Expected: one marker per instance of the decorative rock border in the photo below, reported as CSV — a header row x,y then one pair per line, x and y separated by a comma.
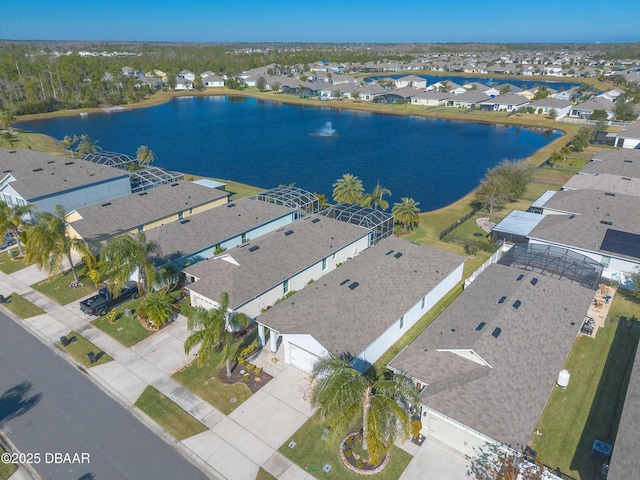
x,y
357,470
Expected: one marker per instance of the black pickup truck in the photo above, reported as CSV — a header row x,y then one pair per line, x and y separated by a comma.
x,y
103,302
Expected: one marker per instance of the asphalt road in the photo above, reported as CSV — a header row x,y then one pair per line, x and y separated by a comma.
x,y
49,407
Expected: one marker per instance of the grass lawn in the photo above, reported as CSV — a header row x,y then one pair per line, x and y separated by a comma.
x,y
591,405
312,453
7,469
168,414
22,307
9,265
80,347
57,289
264,475
204,382
126,329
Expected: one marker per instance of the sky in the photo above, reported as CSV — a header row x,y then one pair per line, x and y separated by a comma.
x,y
335,21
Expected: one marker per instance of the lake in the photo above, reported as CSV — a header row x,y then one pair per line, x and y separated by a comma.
x,y
267,144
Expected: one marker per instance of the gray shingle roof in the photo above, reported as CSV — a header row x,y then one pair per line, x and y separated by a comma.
x,y
278,258
604,182
550,103
507,99
40,174
126,213
624,162
349,320
632,130
505,400
212,227
585,230
625,461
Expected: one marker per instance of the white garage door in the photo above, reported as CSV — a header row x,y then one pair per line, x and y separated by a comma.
x,y
301,358
454,436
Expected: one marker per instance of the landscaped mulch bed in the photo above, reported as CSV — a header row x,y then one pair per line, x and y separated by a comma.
x,y
255,382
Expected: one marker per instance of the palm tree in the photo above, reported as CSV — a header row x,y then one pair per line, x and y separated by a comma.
x,y
68,142
344,397
406,213
127,253
211,331
12,219
565,151
157,308
375,199
87,146
348,189
48,243
322,200
145,155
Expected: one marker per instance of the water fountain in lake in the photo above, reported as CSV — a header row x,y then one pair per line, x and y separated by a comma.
x,y
327,131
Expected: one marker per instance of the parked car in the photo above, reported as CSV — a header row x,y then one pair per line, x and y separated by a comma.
x,y
7,241
101,303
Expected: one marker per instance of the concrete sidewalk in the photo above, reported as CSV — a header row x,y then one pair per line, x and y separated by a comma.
x,y
234,447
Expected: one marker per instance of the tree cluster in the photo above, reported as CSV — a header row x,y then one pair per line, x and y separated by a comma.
x,y
502,184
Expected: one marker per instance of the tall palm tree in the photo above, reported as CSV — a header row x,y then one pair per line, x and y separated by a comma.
x,y
344,396
348,189
145,155
68,142
87,146
12,220
48,243
211,331
406,213
127,253
375,200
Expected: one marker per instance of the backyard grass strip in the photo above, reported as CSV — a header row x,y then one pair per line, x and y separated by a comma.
x,y
22,307
590,407
168,414
80,348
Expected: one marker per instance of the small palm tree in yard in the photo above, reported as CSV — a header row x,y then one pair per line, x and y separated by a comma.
x,y
345,397
157,308
212,330
348,189
48,243
406,213
12,220
145,155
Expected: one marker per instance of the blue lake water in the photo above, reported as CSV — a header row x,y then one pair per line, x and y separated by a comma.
x,y
266,144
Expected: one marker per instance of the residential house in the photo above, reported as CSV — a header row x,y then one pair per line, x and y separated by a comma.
x,y
44,180
586,109
431,99
369,92
507,103
152,82
615,171
486,365
604,226
201,236
142,211
468,99
364,307
629,137
411,81
186,75
562,108
210,79
263,271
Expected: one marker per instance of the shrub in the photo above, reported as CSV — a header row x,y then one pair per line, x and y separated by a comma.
x,y
416,426
347,453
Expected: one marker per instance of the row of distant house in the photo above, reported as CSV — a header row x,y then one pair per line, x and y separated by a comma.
x,y
328,81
